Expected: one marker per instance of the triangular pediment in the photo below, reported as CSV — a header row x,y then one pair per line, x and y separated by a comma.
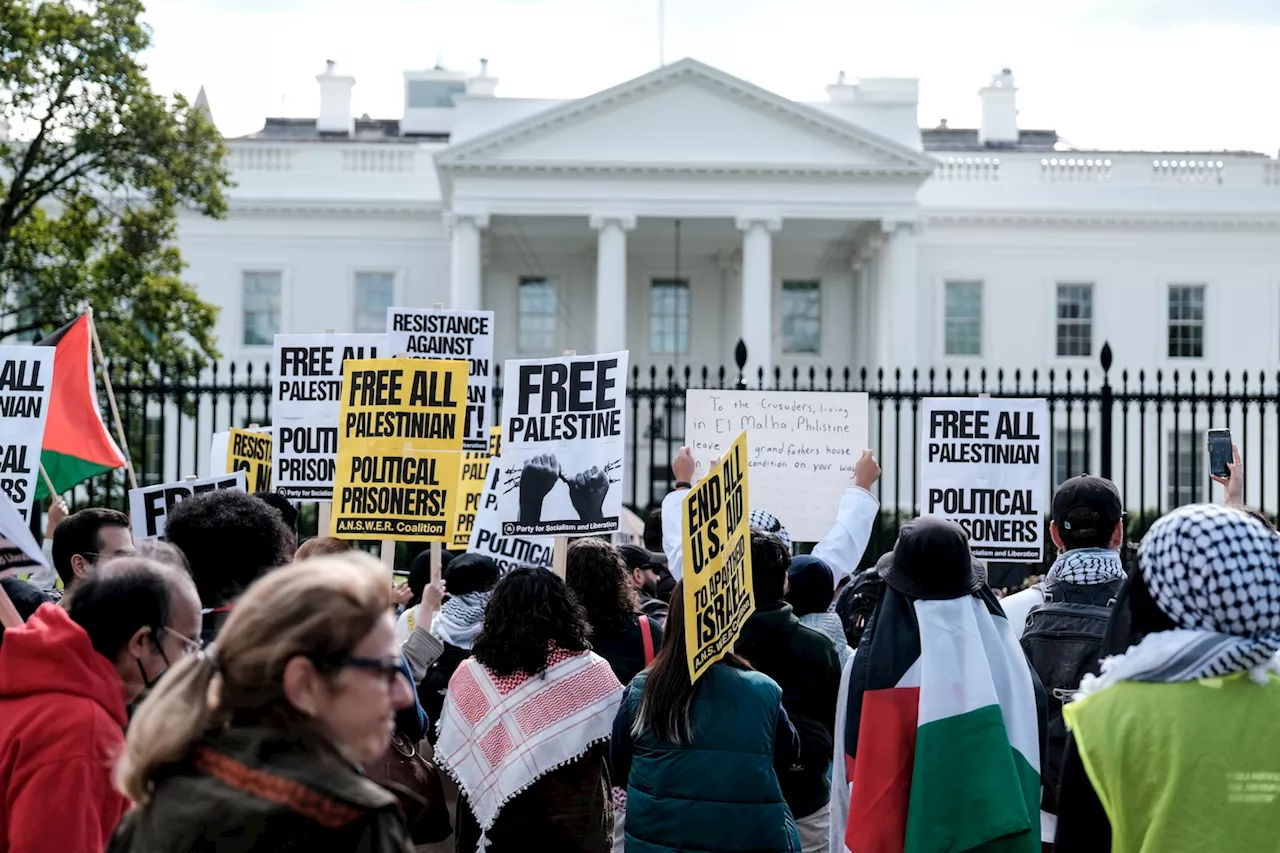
x,y
686,115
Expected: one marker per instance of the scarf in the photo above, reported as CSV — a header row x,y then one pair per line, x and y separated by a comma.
x,y
499,735
1088,566
1215,571
461,618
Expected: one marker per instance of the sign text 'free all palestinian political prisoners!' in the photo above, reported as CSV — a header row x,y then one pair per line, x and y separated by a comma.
x,y
716,531
984,465
250,452
458,335
399,449
563,442
801,448
149,506
306,396
472,476
26,378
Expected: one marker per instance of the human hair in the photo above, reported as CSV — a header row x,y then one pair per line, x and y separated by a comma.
x,y
230,539
284,506
319,610
770,560
78,534
164,552
530,612
320,546
1084,527
111,604
653,529
1258,514
598,579
666,701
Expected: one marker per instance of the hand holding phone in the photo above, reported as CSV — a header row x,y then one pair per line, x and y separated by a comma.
x,y
1226,466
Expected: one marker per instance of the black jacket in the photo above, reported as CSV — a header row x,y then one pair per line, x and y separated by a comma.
x,y
435,684
624,650
806,667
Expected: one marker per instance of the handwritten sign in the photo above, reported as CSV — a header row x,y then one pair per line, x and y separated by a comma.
x,y
26,377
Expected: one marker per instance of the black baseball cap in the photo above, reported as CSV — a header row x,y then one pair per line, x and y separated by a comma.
x,y
641,558
1088,492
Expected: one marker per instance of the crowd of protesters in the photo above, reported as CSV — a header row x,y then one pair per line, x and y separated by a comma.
x,y
234,689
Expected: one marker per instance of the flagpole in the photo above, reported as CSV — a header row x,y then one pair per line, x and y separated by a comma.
x,y
111,398
48,483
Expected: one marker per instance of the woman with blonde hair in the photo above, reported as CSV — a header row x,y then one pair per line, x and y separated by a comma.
x,y
255,744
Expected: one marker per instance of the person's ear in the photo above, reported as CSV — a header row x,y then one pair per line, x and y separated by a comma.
x,y
1056,536
303,685
1117,536
139,643
79,565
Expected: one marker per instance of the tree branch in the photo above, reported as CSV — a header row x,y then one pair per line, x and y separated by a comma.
x,y
7,218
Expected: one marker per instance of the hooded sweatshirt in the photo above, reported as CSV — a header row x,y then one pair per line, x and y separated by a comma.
x,y
62,719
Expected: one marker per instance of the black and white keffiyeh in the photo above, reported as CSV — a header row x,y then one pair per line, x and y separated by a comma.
x,y
767,522
1215,571
1088,566
461,618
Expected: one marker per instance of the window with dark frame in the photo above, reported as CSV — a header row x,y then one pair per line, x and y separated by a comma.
x,y
261,307
801,317
963,304
539,311
1186,464
1075,320
1186,321
375,293
669,316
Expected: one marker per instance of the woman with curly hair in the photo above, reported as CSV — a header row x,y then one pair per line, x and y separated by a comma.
x,y
596,574
525,724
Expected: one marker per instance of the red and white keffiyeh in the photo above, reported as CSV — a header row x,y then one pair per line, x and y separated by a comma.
x,y
499,735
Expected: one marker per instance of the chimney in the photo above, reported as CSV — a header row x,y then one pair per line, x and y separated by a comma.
x,y
841,92
335,101
482,85
999,112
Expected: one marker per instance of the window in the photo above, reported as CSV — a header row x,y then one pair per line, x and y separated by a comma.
x,y
539,312
375,293
669,316
432,93
801,317
1075,319
261,308
964,318
1071,454
1186,321
1186,467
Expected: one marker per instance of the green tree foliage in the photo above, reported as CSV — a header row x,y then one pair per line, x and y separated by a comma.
x,y
93,172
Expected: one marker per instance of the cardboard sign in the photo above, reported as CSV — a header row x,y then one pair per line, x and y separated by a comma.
x,y
509,552
427,333
471,481
399,449
801,448
250,452
26,378
18,548
149,506
306,397
716,529
563,443
984,464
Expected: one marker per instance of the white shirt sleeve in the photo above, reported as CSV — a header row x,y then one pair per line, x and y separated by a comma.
x,y
44,577
840,789
672,536
842,548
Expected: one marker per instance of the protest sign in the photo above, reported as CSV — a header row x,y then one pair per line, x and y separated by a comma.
x,y
306,397
250,452
509,552
984,464
149,506
399,449
563,442
18,548
471,481
801,448
716,530
26,377
435,333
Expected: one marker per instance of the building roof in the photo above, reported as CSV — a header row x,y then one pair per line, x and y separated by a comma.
x,y
366,130
945,138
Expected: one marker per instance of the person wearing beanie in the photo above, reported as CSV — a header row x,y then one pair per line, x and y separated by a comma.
x,y
811,588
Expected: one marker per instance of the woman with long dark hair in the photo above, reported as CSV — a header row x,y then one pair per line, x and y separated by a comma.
x,y
524,725
626,638
700,761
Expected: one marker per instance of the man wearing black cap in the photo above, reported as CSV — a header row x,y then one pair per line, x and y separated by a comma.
x,y
644,568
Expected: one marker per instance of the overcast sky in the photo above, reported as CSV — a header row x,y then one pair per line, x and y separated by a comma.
x,y
1150,74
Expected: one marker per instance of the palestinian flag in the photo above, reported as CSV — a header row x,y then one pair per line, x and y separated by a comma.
x,y
76,442
941,733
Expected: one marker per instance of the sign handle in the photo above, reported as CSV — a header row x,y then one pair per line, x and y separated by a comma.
x,y
559,555
437,306
389,554
323,515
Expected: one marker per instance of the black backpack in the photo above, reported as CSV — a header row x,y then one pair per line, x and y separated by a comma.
x,y
1063,643
857,603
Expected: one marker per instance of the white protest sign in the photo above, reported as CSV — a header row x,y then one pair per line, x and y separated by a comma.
x,y
563,443
18,548
305,396
452,335
149,506
984,464
802,447
26,378
509,552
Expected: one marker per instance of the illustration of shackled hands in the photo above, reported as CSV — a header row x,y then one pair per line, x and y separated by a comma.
x,y
587,489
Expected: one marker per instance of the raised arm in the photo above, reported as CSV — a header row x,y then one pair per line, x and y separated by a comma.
x,y
843,546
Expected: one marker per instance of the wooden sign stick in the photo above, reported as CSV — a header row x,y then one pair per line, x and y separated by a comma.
x,y
560,545
324,509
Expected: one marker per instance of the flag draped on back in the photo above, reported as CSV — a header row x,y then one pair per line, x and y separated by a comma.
x,y
941,736
76,442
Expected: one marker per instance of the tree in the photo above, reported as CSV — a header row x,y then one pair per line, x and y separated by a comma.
x,y
92,181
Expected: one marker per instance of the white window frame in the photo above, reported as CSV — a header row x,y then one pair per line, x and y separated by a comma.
x,y
1182,322
354,311
947,320
521,318
805,285
1061,324
1190,450
682,342
1081,453
281,302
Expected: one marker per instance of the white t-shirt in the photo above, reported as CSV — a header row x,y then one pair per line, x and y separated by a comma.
x,y
1019,605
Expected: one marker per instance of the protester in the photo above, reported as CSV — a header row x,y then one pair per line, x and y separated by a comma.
x,y
230,539
700,762
321,546
288,514
653,544
937,734
644,570
525,724
620,634
811,588
89,537
857,604
468,584
1173,744
66,679
419,580
45,578
26,598
254,745
164,552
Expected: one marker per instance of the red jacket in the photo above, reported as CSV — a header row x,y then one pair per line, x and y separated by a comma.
x,y
62,719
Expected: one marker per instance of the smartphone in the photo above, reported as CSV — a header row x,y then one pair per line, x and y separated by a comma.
x,y
1220,453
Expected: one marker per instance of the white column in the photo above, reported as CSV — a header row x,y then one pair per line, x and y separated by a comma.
x,y
465,266
611,280
757,294
900,298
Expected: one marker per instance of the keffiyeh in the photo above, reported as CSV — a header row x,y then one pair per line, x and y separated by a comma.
x,y
767,522
1087,566
461,618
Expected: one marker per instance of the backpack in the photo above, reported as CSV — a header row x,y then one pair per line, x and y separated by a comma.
x,y
1063,643
435,684
857,603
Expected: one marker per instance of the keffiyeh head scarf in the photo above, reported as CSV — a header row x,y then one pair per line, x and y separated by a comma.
x,y
767,522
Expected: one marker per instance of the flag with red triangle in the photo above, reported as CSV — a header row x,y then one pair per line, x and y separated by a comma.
x,y
77,445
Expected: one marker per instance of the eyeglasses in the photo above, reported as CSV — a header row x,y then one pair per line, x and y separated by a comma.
x,y
189,646
110,556
389,668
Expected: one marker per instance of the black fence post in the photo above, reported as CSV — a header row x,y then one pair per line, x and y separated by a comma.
x,y
1105,405
740,356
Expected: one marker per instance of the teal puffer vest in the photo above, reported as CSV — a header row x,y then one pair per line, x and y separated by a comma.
x,y
719,794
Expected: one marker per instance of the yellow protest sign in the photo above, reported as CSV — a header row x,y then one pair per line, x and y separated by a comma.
x,y
400,431
717,559
471,480
251,452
